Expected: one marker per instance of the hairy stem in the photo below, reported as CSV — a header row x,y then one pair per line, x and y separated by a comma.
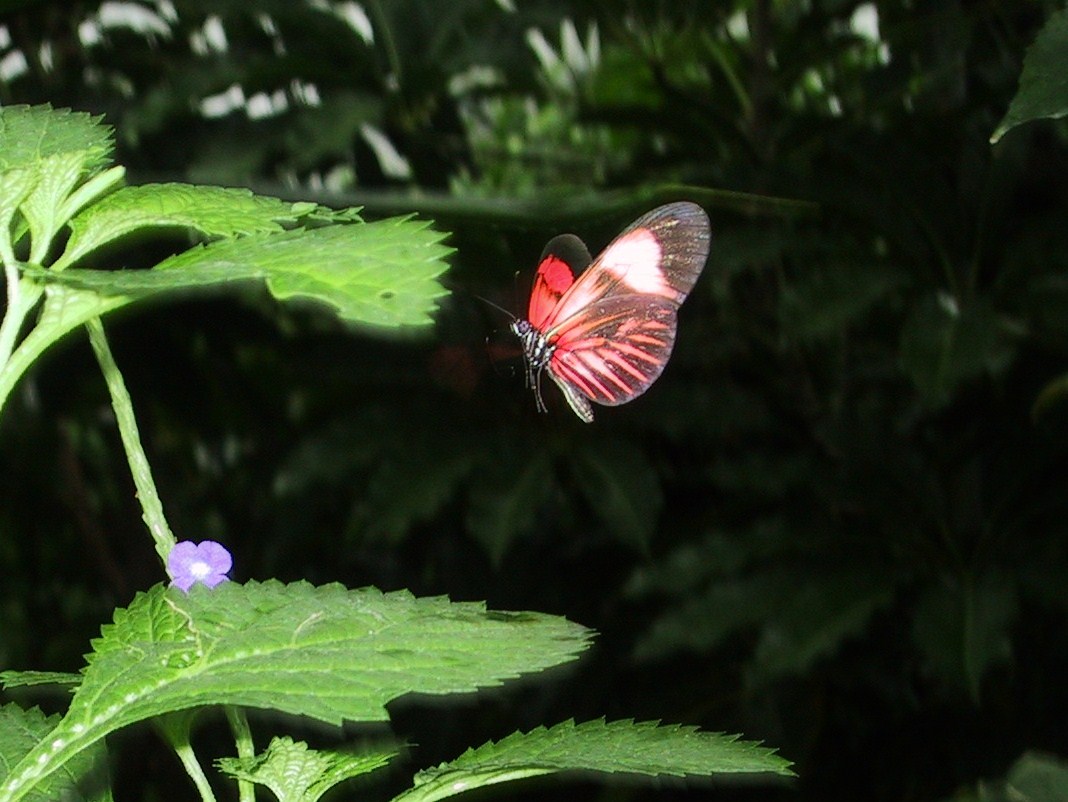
x,y
151,506
245,748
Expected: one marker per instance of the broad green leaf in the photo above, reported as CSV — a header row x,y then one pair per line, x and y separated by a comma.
x,y
1043,88
624,746
211,211
20,679
60,149
328,653
83,778
296,773
622,488
382,273
31,133
410,486
963,628
701,622
1034,777
943,345
1037,778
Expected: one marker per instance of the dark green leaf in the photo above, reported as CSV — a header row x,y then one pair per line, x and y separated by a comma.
x,y
943,345
622,488
1044,83
962,628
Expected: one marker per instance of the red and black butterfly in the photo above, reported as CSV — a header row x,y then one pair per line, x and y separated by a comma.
x,y
606,336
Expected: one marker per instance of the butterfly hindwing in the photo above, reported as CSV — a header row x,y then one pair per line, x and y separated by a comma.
x,y
616,354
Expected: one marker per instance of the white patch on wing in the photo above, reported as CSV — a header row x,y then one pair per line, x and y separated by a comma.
x,y
635,260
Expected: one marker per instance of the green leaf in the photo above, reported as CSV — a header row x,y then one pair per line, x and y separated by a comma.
x,y
410,486
622,488
212,211
963,628
382,273
943,345
815,618
1037,778
83,778
59,149
22,679
296,773
702,621
610,747
1034,777
1053,393
1043,88
328,653
31,133
15,187
824,302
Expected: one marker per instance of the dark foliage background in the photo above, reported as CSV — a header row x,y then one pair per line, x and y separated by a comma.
x,y
836,524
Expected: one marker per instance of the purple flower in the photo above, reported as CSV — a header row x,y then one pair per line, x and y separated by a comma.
x,y
206,562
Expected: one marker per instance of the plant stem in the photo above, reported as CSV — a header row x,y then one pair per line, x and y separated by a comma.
x,y
151,506
245,748
21,298
175,729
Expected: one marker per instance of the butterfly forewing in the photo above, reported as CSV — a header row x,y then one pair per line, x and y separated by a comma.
x,y
660,254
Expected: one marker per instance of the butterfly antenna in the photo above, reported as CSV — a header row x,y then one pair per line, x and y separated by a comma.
x,y
498,307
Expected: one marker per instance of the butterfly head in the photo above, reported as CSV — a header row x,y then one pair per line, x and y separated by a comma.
x,y
537,351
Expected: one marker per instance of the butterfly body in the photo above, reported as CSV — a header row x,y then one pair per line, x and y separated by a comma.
x,y
606,335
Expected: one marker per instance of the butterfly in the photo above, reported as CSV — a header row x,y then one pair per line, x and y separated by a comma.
x,y
606,336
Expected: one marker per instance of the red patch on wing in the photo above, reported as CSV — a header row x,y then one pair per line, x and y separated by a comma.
x,y
552,280
556,274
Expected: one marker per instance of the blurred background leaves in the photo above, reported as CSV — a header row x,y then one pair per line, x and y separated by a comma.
x,y
837,522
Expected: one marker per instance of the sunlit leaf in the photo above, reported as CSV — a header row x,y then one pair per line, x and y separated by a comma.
x,y
382,273
211,211
328,653
296,773
646,747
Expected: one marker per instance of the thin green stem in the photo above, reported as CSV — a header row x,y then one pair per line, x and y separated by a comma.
x,y
383,29
245,748
22,297
175,729
151,506
193,769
